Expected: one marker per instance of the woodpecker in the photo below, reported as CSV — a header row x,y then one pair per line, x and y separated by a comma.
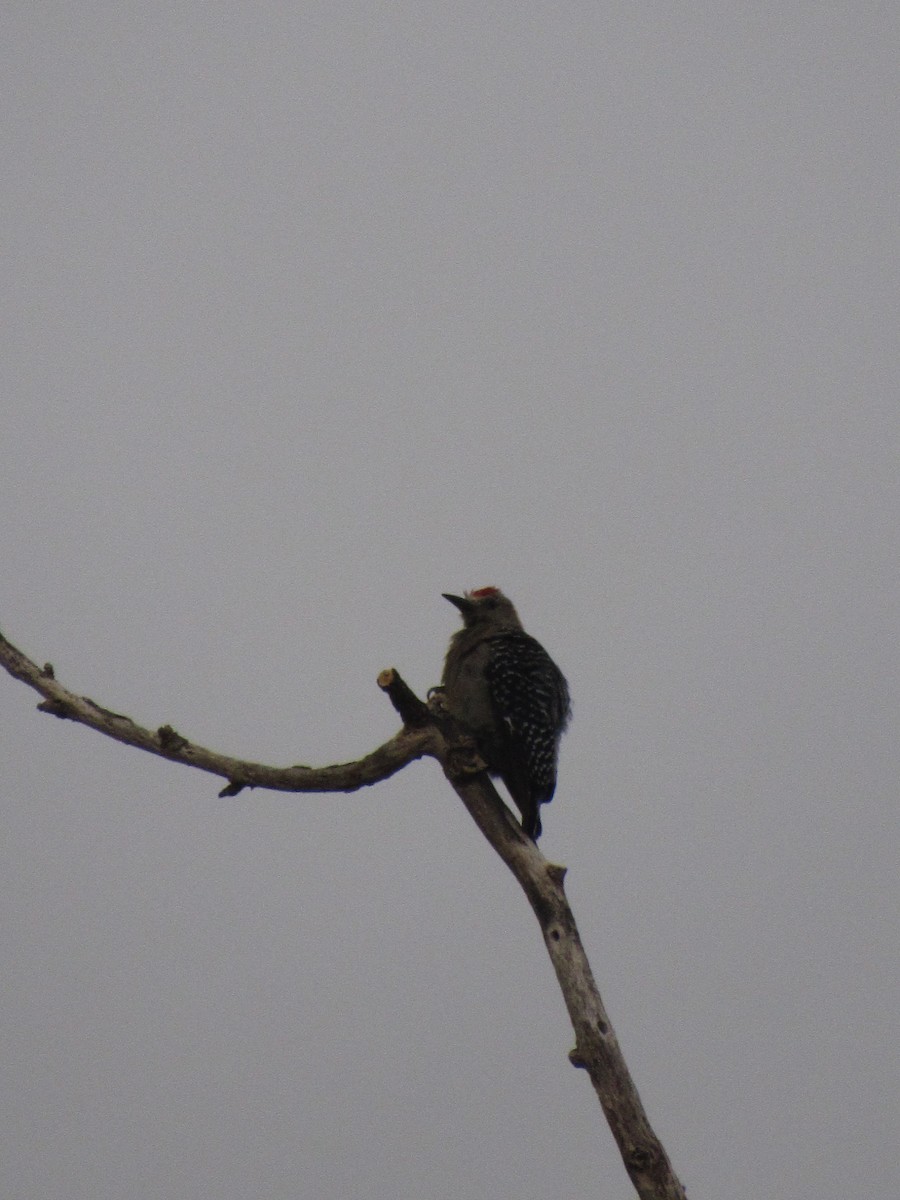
x,y
506,690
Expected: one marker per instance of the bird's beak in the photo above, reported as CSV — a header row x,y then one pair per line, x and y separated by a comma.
x,y
461,602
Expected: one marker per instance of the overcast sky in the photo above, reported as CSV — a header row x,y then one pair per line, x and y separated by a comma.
x,y
312,311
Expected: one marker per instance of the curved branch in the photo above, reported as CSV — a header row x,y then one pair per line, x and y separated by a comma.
x,y
404,747
428,730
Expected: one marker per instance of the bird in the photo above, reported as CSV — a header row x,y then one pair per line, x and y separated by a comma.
x,y
503,688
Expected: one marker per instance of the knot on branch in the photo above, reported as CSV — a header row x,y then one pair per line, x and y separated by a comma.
x,y
640,1159
556,872
171,741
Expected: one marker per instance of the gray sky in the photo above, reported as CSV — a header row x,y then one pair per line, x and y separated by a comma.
x,y
311,312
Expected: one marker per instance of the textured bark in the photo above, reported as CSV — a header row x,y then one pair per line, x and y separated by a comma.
x,y
412,741
428,731
597,1049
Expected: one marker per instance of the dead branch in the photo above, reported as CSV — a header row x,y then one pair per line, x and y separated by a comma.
x,y
597,1049
412,741
428,731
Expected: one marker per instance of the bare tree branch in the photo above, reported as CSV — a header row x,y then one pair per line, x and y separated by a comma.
x,y
428,731
409,744
597,1049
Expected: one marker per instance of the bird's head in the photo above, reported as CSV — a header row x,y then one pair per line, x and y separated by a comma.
x,y
486,606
